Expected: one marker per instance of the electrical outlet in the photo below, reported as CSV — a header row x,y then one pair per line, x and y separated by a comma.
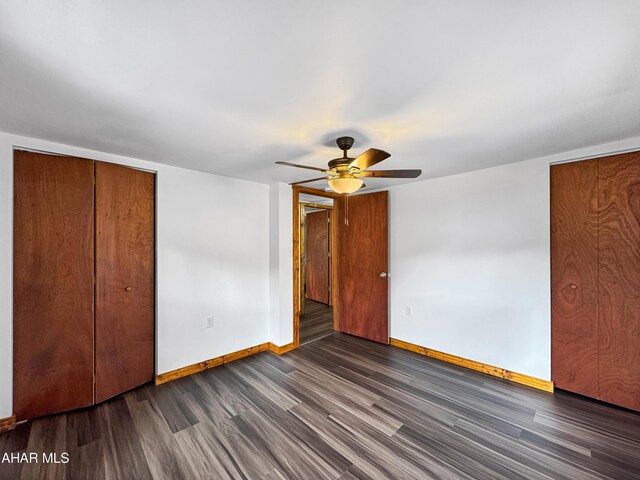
x,y
210,323
408,310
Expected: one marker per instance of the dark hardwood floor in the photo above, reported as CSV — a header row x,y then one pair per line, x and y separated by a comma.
x,y
317,321
340,408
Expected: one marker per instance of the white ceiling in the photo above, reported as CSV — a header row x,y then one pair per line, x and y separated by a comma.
x,y
229,87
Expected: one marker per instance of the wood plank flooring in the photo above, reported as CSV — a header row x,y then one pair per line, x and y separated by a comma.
x,y
317,321
337,408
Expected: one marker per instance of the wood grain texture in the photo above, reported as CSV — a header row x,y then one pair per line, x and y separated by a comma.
x,y
619,300
8,423
341,407
303,263
125,284
53,284
521,378
280,349
317,255
574,277
363,251
297,264
213,362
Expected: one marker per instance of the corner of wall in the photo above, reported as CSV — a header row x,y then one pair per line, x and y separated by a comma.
x,y
280,264
6,276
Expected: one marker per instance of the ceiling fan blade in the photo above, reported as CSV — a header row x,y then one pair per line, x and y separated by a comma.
x,y
301,166
307,181
369,158
391,173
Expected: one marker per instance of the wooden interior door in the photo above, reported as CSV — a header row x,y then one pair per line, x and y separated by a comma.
x,y
574,277
317,256
53,268
124,279
619,299
363,253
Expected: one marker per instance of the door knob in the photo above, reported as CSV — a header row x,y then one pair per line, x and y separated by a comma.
x,y
127,289
383,275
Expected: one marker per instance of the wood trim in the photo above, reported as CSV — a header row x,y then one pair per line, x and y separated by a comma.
x,y
316,192
335,260
281,349
213,362
521,378
302,253
316,205
221,360
297,190
296,265
8,423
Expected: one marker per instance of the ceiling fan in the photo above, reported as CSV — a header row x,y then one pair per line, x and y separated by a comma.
x,y
345,174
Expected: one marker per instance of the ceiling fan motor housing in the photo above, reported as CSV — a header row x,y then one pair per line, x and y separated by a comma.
x,y
339,162
345,143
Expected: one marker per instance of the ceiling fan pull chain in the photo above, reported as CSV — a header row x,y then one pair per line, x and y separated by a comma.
x,y
346,210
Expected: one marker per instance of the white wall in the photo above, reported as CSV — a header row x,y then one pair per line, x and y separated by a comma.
x,y
212,258
470,254
281,263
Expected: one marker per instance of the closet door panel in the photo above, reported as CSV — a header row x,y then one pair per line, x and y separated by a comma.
x,y
124,279
574,277
619,260
53,284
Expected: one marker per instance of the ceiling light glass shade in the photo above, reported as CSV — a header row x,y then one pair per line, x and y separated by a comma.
x,y
345,185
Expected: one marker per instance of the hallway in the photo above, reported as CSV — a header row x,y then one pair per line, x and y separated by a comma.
x,y
317,321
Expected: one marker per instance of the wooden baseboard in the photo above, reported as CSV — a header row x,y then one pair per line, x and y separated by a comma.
x,y
214,362
534,382
8,423
281,349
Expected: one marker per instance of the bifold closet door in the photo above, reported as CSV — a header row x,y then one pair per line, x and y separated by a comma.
x,y
574,277
619,260
53,270
124,279
595,277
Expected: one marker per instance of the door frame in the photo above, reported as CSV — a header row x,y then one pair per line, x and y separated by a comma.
x,y
297,210
303,248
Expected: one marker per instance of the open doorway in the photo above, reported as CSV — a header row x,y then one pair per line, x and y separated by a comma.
x,y
315,244
316,307
359,244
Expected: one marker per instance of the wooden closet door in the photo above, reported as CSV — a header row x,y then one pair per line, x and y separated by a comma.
x,y
317,253
53,284
619,249
574,277
124,279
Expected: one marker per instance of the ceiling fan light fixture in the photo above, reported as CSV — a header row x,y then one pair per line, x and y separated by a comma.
x,y
345,185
